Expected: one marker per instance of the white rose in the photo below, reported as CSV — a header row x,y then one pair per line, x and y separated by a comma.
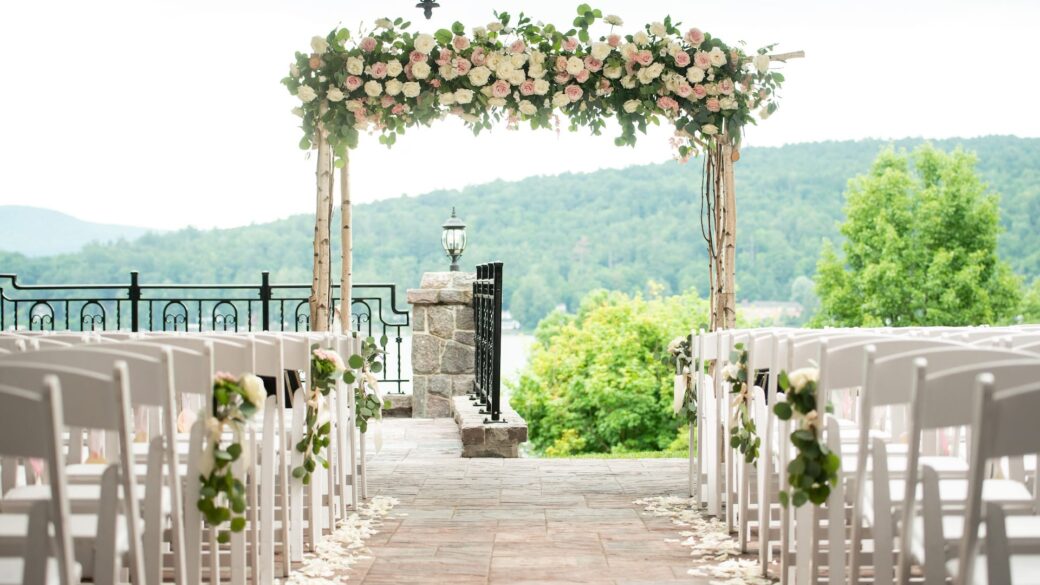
x,y
632,105
447,72
718,58
492,60
627,50
425,43
420,70
763,113
463,96
504,69
355,106
538,57
541,86
393,68
730,372
536,71
656,69
373,88
613,72
527,108
306,93
294,70
712,89
319,45
497,102
628,82
479,31
658,29
334,94
255,392
673,48
728,103
411,89
644,76
560,99
600,51
518,59
517,77
800,377
446,98
640,38
355,66
393,87
709,129
479,76
695,74
614,20
575,65
761,63
297,112
384,23
494,26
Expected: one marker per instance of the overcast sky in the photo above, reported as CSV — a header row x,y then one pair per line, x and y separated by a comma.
x,y
168,113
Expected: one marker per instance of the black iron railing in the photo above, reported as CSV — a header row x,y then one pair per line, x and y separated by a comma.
x,y
199,307
487,312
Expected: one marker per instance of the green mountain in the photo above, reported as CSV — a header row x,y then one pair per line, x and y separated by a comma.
x,y
561,236
22,229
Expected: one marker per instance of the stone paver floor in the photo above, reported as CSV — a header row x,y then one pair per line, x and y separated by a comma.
x,y
464,521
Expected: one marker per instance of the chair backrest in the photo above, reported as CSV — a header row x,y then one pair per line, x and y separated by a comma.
x,y
230,354
91,400
842,363
947,399
192,369
14,343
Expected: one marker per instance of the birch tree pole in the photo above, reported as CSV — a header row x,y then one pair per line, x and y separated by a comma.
x,y
346,277
321,279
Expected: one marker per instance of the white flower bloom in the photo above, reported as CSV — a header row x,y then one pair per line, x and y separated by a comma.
x,y
658,29
393,68
447,72
628,49
632,105
355,106
297,112
718,58
541,86
446,98
384,23
319,45
504,69
373,88
527,108
479,76
536,71
411,89
518,59
728,103
334,94
628,82
393,87
479,31
614,20
494,26
600,51
355,66
425,43
730,372
761,63
294,70
497,102
801,377
709,129
695,74
538,57
613,72
306,93
560,99
641,38
517,77
763,113
463,96
255,392
420,70
575,65
712,89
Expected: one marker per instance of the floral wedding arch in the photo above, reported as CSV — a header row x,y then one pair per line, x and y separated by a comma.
x,y
388,80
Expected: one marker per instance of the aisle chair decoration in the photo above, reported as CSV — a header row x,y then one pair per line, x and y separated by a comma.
x,y
815,469
680,356
367,396
326,367
743,436
222,497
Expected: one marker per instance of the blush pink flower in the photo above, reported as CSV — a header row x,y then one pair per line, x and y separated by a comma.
x,y
460,43
353,82
378,70
408,72
368,44
462,65
614,40
500,89
644,57
701,60
561,63
593,64
562,78
683,90
398,109
726,86
630,67
604,87
416,57
518,46
527,87
570,44
479,57
695,37
682,59
387,100
699,91
713,104
582,76
668,104
435,83
444,57
574,92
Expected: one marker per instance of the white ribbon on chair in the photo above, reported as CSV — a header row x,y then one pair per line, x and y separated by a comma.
x,y
375,425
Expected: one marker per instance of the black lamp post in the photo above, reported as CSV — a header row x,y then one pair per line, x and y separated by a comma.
x,y
427,6
453,238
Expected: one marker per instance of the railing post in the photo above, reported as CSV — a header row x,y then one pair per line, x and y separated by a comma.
x,y
135,296
496,359
265,300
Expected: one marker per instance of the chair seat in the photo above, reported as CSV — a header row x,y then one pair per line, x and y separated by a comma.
x,y
91,472
14,529
953,493
12,569
1022,531
946,467
83,498
1025,569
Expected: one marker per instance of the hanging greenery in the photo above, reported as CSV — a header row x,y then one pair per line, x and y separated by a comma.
x,y
813,472
743,432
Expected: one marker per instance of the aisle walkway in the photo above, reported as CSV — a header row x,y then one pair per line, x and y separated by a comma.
x,y
463,521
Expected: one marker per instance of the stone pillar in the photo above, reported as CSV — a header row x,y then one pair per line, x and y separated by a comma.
x,y
442,341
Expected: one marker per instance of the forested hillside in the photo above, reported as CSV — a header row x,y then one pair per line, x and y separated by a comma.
x,y
562,236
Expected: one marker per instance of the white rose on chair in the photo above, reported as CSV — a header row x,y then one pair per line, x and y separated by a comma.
x,y
730,372
255,391
802,377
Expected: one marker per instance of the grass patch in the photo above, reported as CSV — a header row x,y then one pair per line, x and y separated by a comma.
x,y
627,455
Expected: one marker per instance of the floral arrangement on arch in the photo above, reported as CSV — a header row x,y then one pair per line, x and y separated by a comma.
x,y
743,433
326,367
388,79
813,472
222,496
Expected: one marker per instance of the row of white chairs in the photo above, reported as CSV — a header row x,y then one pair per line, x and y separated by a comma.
x,y
906,407
126,404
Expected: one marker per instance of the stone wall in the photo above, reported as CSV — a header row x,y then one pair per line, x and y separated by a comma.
x,y
442,341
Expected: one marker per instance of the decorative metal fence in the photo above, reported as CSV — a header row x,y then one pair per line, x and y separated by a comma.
x,y
487,311
198,307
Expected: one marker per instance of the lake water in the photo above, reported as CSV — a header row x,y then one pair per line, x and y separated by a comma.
x,y
515,348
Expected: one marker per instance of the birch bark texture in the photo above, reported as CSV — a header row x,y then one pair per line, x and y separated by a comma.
x,y
321,278
346,277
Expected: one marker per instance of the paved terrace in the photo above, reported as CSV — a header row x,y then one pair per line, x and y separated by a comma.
x,y
492,521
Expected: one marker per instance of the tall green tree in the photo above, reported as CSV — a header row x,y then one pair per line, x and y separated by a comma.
x,y
1031,303
920,247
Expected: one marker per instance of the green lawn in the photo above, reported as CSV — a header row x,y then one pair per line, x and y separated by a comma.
x,y
629,455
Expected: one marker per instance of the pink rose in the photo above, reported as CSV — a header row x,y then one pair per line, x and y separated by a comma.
x,y
444,58
684,90
527,87
713,104
378,70
604,87
574,92
726,86
435,83
562,78
518,46
408,72
561,63
368,44
682,59
614,40
416,57
570,44
478,57
353,82
500,89
644,57
398,109
666,103
462,65
460,43
630,67
593,64
695,37
699,91
387,101
701,60
582,76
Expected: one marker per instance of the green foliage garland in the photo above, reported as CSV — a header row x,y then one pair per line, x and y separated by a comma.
x,y
367,399
326,366
681,354
813,472
743,434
